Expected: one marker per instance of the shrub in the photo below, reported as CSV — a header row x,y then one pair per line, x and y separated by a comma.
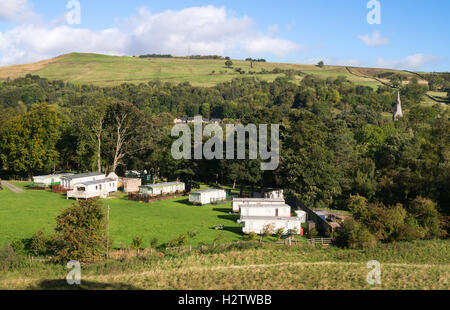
x,y
18,246
279,233
80,232
252,236
154,243
427,216
137,243
354,235
39,244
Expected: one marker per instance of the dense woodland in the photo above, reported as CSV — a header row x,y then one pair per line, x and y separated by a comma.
x,y
337,148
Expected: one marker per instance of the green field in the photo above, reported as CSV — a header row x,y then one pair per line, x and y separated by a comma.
x,y
405,265
23,214
105,70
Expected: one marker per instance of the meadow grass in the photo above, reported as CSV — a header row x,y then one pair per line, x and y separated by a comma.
x,y
104,70
23,214
405,265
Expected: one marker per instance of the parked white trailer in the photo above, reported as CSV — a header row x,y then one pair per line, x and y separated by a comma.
x,y
49,180
257,224
70,181
237,202
162,189
277,210
207,196
93,189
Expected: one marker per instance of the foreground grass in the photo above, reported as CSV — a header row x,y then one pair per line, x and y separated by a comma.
x,y
21,215
416,265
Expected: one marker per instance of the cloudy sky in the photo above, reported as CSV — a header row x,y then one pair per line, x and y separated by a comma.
x,y
413,34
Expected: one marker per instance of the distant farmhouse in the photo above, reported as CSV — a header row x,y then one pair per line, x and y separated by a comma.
x,y
207,196
162,189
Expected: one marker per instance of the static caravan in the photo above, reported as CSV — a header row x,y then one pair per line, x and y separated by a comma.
x,y
68,182
207,196
237,202
277,210
256,224
162,189
93,189
49,180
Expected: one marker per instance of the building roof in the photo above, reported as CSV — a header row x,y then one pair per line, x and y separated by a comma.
x,y
57,175
208,191
271,218
83,175
102,181
265,206
258,199
162,184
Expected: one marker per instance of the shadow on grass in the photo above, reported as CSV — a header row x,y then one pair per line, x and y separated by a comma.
x,y
85,285
184,202
223,210
231,217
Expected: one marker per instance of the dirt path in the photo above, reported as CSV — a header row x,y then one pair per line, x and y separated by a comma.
x,y
12,188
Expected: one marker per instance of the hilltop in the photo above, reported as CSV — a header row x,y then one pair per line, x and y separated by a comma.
x,y
103,70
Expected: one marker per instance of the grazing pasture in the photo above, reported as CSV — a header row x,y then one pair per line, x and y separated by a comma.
x,y
23,214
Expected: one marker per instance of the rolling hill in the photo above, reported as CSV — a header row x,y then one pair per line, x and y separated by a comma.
x,y
103,70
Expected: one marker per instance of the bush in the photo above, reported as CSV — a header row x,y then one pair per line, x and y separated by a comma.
x,y
279,233
252,236
137,243
80,232
427,216
39,244
354,235
18,246
154,243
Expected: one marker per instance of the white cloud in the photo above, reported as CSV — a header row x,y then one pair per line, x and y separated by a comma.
x,y
374,40
15,10
195,30
412,62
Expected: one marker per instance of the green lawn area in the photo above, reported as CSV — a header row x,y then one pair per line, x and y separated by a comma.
x,y
23,214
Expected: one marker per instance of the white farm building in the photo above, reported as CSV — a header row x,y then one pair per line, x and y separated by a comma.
x,y
237,202
93,189
207,196
69,181
162,189
49,180
257,217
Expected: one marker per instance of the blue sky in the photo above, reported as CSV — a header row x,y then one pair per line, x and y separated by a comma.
x,y
412,35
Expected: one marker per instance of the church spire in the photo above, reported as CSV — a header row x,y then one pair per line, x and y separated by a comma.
x,y
398,108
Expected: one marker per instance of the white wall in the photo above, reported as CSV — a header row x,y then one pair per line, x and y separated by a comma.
x,y
257,225
265,210
206,197
237,202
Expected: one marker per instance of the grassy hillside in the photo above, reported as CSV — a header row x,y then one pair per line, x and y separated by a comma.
x,y
105,70
410,265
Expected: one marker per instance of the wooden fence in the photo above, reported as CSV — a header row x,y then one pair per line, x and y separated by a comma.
x,y
322,241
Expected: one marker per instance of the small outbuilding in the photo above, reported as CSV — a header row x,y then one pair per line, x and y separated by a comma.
x,y
208,196
130,185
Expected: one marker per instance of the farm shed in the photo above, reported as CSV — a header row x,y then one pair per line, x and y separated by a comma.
x,y
129,185
162,189
49,180
256,224
207,196
68,182
93,189
266,210
237,202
